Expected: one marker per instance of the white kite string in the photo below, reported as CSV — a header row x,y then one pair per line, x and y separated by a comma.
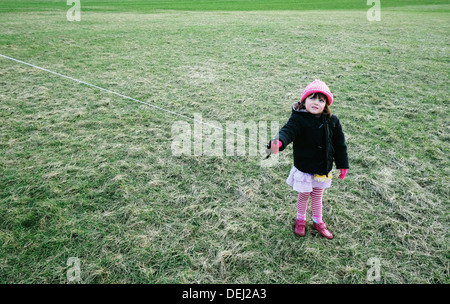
x,y
121,95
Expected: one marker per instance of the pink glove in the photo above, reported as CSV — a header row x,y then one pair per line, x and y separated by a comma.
x,y
275,146
343,173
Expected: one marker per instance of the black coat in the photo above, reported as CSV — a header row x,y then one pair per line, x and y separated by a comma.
x,y
318,141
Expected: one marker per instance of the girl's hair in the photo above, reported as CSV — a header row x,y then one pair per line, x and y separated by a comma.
x,y
326,110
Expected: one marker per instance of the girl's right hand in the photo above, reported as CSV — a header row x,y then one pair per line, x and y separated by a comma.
x,y
275,146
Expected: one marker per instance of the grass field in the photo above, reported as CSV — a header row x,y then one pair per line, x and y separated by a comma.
x,y
212,5
87,174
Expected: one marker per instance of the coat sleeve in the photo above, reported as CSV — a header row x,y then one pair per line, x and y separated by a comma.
x,y
340,147
288,132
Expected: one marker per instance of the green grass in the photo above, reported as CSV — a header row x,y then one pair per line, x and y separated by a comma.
x,y
207,5
87,174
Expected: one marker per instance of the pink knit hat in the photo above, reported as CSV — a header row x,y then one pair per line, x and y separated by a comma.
x,y
317,86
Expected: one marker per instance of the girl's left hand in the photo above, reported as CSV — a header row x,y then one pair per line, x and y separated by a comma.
x,y
343,173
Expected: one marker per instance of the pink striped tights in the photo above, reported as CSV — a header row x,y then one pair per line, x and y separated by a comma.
x,y
316,204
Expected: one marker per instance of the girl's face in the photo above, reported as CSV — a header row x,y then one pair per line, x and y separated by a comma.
x,y
315,103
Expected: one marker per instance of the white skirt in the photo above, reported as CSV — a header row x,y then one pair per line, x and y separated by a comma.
x,y
305,182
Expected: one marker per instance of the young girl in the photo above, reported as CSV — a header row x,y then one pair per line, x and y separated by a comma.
x,y
318,141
